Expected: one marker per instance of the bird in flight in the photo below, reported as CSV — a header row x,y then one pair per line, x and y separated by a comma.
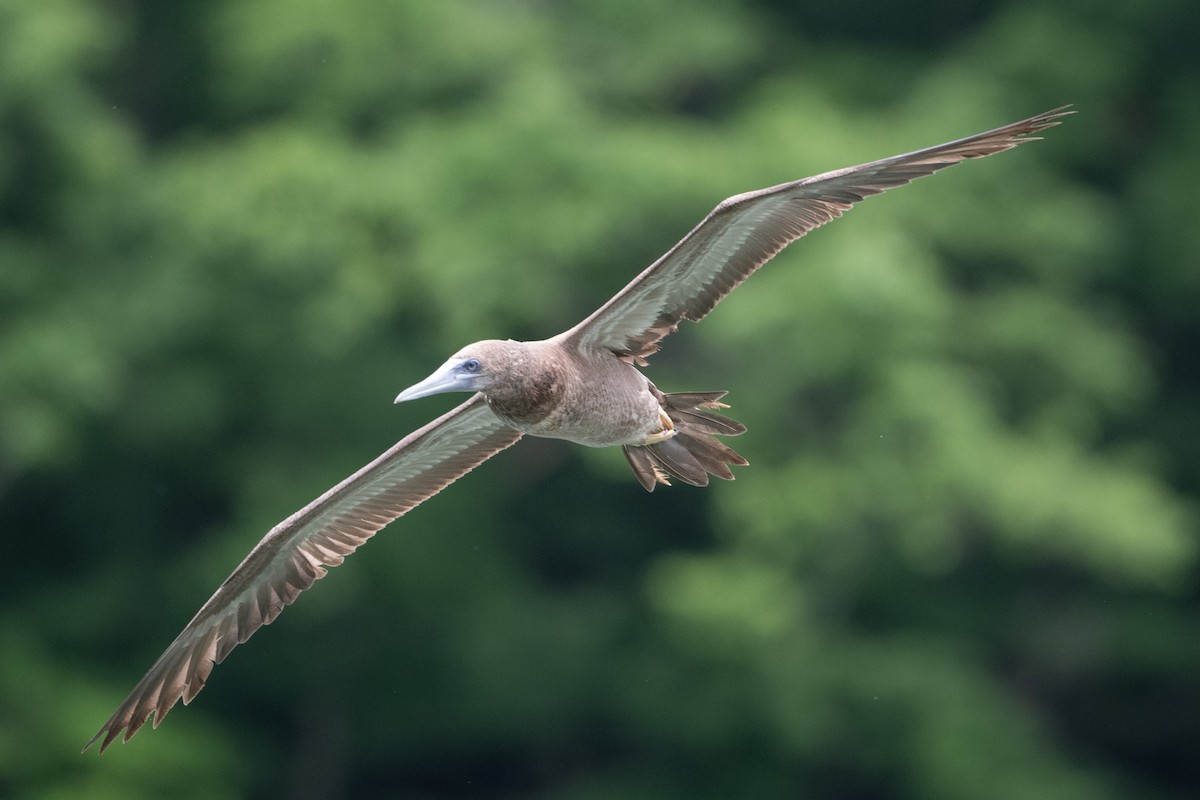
x,y
582,385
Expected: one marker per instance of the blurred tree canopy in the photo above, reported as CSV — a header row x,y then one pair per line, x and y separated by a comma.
x,y
963,562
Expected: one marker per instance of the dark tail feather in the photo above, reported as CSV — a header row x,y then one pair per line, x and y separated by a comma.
x,y
691,408
713,455
643,467
692,454
683,401
675,459
704,422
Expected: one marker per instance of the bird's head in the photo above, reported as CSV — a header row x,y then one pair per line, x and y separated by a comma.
x,y
475,368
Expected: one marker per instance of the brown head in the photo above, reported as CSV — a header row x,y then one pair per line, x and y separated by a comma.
x,y
521,380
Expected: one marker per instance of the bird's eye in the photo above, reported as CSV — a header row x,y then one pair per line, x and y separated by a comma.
x,y
471,365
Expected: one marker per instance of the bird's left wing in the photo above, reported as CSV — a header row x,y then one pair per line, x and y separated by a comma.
x,y
746,230
298,550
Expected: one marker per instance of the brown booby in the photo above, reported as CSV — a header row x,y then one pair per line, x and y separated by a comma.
x,y
582,385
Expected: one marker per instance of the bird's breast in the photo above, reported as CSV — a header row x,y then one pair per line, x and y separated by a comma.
x,y
528,400
609,404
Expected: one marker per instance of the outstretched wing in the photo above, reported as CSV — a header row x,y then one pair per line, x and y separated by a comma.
x,y
297,551
746,230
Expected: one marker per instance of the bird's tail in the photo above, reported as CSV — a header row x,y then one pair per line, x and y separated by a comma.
x,y
693,453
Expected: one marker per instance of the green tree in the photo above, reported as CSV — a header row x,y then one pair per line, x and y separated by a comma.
x,y
962,563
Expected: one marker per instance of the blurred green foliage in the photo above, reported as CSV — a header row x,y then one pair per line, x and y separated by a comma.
x,y
963,563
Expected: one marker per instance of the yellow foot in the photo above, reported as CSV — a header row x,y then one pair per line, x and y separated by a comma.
x,y
665,432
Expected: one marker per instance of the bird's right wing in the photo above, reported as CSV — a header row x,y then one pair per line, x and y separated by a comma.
x,y
298,550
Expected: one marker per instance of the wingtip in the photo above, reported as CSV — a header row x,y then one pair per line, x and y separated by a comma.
x,y
111,730
108,735
1049,119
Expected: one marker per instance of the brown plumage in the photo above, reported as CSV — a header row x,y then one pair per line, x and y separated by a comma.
x,y
582,385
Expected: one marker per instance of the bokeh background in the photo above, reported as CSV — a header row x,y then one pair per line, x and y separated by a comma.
x,y
963,563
